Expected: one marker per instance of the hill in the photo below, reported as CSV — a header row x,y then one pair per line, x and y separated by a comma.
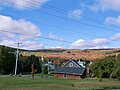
x,y
65,54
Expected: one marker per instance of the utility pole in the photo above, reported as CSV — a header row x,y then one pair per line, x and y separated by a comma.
x,y
17,54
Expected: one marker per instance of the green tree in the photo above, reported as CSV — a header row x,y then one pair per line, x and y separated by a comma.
x,y
7,60
102,67
116,71
45,70
25,63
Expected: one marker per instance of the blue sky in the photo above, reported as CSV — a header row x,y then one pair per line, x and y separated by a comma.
x,y
86,24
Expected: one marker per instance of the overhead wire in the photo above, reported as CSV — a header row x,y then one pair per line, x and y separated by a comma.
x,y
40,36
65,29
56,27
35,36
66,12
91,25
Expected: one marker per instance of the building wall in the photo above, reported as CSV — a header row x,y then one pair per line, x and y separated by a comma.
x,y
74,76
69,64
59,75
70,76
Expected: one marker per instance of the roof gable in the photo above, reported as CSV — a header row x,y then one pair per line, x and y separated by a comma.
x,y
72,63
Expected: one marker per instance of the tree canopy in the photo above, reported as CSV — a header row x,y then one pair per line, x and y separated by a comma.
x,y
7,60
107,67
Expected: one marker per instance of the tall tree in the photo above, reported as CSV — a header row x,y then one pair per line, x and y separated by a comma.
x,y
7,60
25,65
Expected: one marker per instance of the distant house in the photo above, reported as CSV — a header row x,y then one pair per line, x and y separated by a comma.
x,y
72,69
82,63
50,66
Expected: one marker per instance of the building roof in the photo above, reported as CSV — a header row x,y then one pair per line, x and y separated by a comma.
x,y
70,70
71,60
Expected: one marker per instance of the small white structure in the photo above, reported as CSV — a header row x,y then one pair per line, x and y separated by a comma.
x,y
82,63
90,62
50,66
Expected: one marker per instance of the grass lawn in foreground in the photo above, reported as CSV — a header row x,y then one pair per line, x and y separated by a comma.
x,y
27,83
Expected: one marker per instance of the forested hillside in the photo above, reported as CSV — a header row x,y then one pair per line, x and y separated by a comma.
x,y
65,54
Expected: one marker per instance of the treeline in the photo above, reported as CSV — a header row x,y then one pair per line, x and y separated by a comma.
x,y
109,67
46,50
7,62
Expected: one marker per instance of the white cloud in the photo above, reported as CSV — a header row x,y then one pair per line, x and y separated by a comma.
x,y
56,47
106,5
28,45
8,43
116,36
32,45
96,43
23,4
75,13
80,43
7,25
113,21
100,41
17,26
53,36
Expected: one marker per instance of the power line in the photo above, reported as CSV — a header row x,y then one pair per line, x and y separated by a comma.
x,y
67,29
66,12
37,36
67,18
63,11
50,38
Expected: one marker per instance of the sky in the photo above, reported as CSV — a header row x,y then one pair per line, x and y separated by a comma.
x,y
68,24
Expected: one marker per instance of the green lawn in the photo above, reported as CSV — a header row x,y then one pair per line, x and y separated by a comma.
x,y
27,83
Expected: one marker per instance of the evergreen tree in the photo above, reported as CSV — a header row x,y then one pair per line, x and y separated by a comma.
x,y
7,60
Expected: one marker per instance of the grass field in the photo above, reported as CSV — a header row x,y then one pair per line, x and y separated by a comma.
x,y
27,83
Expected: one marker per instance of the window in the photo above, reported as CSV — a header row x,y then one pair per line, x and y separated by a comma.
x,y
71,64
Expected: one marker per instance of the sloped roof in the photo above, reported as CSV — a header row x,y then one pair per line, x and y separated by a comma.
x,y
72,60
69,70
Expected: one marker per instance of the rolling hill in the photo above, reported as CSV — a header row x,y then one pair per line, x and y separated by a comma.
x,y
90,54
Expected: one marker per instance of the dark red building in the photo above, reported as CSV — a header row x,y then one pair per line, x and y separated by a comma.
x,y
72,69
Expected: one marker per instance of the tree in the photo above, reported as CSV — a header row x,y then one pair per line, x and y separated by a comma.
x,y
45,70
102,67
24,64
116,71
7,60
